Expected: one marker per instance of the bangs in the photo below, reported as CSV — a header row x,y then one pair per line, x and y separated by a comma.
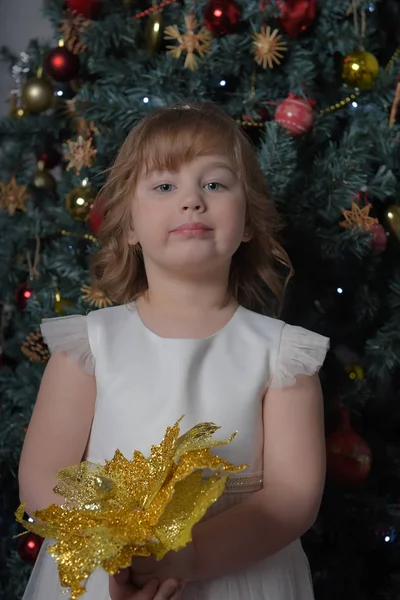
x,y
179,135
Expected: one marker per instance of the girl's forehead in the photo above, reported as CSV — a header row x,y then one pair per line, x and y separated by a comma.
x,y
169,148
198,163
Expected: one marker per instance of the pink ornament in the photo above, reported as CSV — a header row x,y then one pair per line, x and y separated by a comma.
x,y
378,238
295,114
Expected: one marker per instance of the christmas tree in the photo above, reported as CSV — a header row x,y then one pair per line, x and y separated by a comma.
x,y
315,86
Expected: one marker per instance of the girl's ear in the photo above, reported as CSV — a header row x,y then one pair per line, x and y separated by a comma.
x,y
132,238
248,234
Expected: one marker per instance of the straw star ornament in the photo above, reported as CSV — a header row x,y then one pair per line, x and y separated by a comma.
x,y
13,196
190,41
80,154
358,217
268,47
95,297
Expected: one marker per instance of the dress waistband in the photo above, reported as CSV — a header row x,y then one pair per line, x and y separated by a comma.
x,y
253,482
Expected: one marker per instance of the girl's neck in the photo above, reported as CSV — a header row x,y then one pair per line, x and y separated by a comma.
x,y
175,309
169,294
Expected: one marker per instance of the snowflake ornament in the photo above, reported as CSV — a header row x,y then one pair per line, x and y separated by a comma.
x,y
268,47
190,42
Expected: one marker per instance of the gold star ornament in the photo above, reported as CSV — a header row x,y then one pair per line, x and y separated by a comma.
x,y
139,507
358,218
268,47
13,196
190,41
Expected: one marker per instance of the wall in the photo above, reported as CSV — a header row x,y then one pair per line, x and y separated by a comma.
x,y
20,21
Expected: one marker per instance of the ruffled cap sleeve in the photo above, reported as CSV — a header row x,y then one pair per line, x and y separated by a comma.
x,y
301,352
70,335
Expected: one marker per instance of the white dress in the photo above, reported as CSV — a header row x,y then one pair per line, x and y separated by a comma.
x,y
146,382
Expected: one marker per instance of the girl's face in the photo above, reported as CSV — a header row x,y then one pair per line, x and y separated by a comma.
x,y
191,220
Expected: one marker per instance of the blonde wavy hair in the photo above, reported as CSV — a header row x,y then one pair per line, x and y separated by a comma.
x,y
164,140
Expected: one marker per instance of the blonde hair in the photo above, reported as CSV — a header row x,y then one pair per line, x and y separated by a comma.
x,y
164,140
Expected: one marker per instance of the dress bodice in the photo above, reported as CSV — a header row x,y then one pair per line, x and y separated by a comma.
x,y
146,382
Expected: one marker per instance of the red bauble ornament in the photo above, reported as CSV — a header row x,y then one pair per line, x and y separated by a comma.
x,y
378,238
295,114
22,295
88,8
222,16
297,15
29,546
61,64
348,455
96,216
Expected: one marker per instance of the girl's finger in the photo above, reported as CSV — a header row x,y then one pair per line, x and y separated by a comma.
x,y
149,590
168,590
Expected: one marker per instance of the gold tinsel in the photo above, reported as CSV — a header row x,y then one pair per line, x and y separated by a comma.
x,y
131,507
35,348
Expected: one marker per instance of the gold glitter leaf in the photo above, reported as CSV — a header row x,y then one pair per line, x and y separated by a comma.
x,y
132,507
192,498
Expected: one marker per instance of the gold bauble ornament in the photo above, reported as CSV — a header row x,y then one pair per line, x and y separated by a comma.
x,y
37,94
79,202
42,179
360,70
61,304
392,214
154,31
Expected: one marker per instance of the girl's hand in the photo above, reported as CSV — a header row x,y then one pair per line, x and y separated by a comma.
x,y
122,588
177,565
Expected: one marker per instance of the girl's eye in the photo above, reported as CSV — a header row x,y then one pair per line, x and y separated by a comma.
x,y
165,187
213,186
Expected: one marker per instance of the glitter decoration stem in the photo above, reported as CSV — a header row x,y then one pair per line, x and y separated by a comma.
x,y
144,506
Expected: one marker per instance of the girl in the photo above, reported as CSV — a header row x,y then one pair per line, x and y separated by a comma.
x,y
189,255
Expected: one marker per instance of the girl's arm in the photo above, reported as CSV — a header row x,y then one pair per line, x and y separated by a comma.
x,y
58,431
269,520
294,474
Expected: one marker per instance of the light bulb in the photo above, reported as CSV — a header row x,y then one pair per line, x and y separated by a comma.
x,y
145,100
222,82
339,290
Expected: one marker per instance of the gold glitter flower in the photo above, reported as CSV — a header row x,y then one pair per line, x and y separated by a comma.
x,y
142,506
190,42
267,47
95,297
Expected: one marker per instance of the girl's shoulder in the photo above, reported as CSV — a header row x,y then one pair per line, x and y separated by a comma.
x,y
73,334
296,350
